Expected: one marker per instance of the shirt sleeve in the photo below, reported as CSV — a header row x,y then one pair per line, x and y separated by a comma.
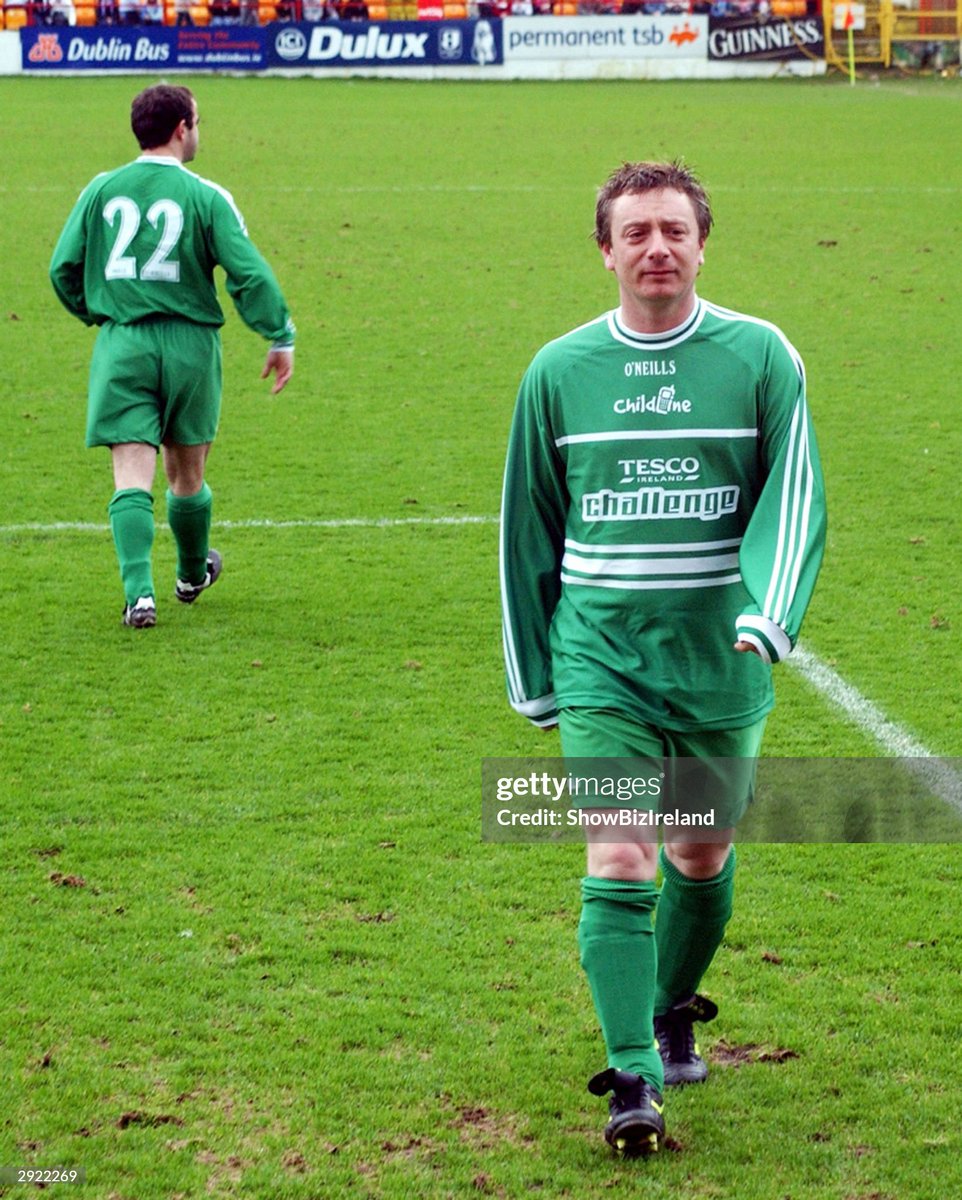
x,y
67,264
782,549
251,283
533,513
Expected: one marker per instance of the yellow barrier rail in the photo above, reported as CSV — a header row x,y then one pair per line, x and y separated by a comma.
x,y
930,22
888,23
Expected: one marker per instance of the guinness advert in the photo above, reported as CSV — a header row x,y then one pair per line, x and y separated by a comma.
x,y
751,38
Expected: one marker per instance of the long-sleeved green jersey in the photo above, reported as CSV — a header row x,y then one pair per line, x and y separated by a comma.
x,y
142,242
662,497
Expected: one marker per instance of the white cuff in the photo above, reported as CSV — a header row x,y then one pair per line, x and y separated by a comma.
x,y
542,711
772,642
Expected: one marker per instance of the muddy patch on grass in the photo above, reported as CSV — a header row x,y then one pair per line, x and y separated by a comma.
x,y
724,1054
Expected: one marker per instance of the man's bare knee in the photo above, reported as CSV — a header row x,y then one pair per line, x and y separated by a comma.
x,y
133,465
184,467
622,860
698,860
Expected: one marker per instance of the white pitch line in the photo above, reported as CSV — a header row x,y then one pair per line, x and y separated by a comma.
x,y
943,780
356,522
262,523
860,710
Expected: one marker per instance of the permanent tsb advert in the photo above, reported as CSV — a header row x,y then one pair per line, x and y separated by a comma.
x,y
615,38
254,48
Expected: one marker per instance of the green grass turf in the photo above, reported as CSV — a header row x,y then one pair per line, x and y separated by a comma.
x,y
252,945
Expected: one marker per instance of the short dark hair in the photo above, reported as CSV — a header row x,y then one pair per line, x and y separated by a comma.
x,y
157,111
633,177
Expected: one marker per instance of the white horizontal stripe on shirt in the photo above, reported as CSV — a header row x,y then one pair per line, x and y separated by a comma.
x,y
649,566
651,547
651,584
644,435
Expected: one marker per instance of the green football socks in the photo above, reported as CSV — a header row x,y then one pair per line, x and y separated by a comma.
x,y
619,957
692,915
189,518
132,524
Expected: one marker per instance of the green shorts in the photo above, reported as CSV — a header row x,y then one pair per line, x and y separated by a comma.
x,y
711,772
154,382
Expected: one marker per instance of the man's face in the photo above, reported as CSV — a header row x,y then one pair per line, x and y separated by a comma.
x,y
655,251
192,137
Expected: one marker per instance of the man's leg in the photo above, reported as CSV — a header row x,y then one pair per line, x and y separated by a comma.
x,y
698,882
190,505
619,953
696,903
122,413
132,517
617,942
192,383
618,956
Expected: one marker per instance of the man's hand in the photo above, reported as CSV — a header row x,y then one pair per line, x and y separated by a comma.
x,y
746,648
281,362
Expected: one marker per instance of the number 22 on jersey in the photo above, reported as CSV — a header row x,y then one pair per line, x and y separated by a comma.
x,y
124,214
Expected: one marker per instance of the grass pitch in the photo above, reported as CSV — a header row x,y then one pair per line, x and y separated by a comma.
x,y
252,944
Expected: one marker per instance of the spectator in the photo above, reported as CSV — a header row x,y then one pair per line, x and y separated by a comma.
x,y
318,11
224,12
59,12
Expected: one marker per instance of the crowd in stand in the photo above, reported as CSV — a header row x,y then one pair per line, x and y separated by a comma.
x,y
184,12
252,12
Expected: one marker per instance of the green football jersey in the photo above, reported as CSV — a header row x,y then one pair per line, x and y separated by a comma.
x,y
142,242
662,498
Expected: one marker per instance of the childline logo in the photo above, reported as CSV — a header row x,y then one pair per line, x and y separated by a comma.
x,y
662,404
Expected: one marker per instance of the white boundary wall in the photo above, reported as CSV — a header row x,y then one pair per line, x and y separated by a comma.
x,y
646,69
9,53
